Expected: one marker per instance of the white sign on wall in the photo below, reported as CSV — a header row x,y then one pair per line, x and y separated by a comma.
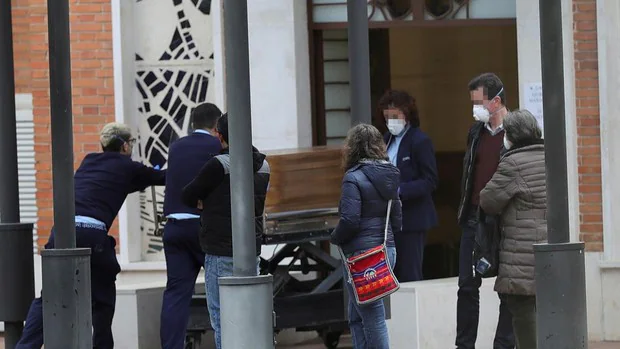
x,y
533,101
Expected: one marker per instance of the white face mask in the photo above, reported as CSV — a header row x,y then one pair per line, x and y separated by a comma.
x,y
507,143
396,126
481,113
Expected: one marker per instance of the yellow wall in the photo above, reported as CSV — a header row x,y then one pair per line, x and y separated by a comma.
x,y
435,65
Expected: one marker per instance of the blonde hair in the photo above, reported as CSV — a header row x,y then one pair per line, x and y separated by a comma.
x,y
114,131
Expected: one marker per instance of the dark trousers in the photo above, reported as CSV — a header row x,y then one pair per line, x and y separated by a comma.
x,y
409,255
468,303
184,258
523,309
103,268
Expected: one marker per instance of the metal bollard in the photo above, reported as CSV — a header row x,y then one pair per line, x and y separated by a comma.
x,y
246,312
561,319
16,277
67,319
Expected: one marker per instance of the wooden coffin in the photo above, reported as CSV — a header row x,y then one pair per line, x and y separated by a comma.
x,y
304,179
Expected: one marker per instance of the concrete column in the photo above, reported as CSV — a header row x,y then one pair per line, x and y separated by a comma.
x,y
125,111
279,74
219,77
608,28
529,62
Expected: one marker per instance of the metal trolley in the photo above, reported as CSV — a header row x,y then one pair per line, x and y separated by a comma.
x,y
308,291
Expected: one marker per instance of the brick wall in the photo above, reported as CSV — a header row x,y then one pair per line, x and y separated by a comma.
x,y
93,84
588,124
21,32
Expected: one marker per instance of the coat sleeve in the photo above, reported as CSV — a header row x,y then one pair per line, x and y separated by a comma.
x,y
210,176
144,177
502,187
396,216
424,154
350,214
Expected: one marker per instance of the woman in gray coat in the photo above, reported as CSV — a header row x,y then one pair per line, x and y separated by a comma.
x,y
517,193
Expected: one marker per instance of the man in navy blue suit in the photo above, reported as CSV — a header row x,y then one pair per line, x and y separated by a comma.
x,y
184,257
102,182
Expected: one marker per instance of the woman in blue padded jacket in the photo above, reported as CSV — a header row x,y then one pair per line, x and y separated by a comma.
x,y
369,183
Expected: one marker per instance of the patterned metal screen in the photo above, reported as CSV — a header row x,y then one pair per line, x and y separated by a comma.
x,y
174,72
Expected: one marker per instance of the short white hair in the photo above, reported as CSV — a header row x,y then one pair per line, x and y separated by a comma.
x,y
112,131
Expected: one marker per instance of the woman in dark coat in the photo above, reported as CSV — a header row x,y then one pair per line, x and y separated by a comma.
x,y
411,150
368,185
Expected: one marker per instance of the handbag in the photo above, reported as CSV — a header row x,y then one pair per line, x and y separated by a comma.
x,y
370,273
486,246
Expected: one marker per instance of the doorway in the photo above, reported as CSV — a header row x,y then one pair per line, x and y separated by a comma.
x,y
434,64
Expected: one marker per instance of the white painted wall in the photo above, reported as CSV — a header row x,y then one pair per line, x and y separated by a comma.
x,y
608,12
529,63
608,31
124,111
279,74
424,315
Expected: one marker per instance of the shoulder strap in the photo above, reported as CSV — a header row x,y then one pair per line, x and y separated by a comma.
x,y
387,220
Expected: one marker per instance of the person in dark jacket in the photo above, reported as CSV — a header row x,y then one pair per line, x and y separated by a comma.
x,y
411,150
210,191
368,185
102,182
484,148
184,257
518,192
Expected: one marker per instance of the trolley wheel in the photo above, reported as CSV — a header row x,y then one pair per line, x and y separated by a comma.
x,y
192,341
331,339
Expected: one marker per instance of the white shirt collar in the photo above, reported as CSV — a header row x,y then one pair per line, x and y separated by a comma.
x,y
499,129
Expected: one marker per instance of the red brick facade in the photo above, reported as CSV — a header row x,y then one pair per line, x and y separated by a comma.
x,y
93,84
588,124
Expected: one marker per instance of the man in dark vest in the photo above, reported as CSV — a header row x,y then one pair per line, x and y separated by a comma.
x,y
102,182
184,258
484,146
211,190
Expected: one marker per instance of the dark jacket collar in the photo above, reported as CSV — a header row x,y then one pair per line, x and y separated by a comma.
x,y
409,130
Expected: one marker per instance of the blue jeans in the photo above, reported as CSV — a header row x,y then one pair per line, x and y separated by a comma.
x,y
367,322
216,267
